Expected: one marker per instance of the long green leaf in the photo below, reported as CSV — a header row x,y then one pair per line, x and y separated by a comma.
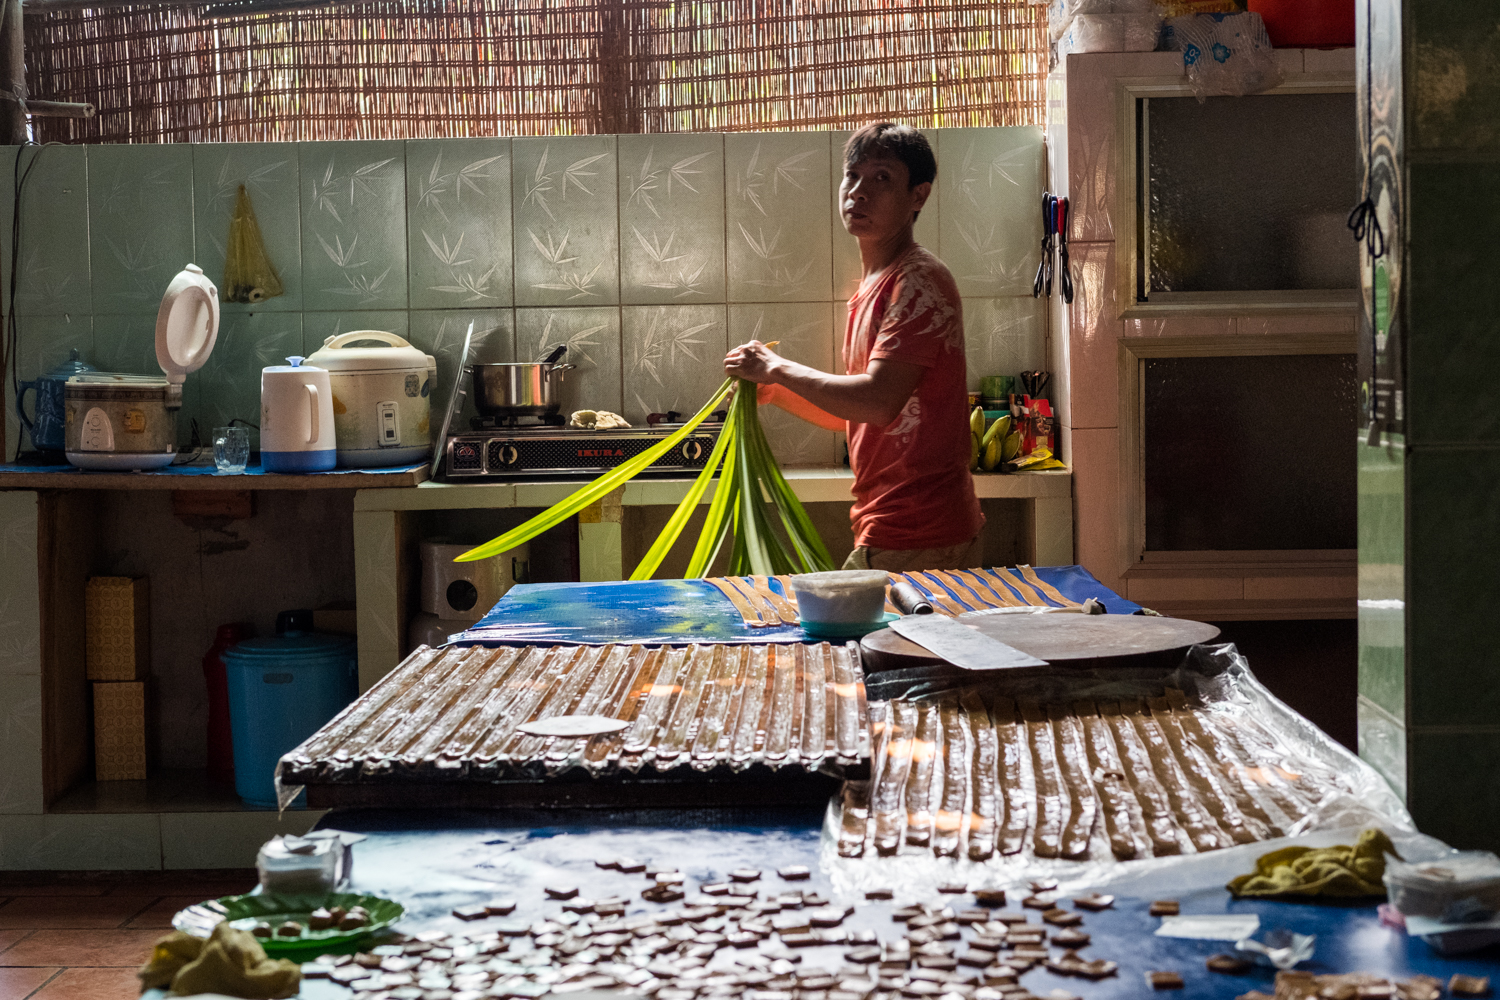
x,y
717,524
564,509
812,553
684,511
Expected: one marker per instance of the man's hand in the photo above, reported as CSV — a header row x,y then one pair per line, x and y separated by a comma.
x,y
875,397
752,362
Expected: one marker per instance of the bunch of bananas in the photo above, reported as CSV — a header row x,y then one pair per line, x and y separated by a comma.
x,y
990,445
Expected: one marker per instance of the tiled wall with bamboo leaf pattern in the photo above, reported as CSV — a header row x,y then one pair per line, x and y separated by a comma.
x,y
649,255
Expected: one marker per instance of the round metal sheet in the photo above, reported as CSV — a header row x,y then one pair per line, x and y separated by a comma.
x,y
573,726
1063,639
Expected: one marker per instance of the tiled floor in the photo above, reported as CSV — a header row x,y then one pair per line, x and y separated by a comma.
x,y
82,935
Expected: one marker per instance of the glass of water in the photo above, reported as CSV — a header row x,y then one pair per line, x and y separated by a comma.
x,y
231,449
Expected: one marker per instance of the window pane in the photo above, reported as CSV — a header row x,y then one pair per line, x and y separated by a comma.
x,y
1250,452
1252,193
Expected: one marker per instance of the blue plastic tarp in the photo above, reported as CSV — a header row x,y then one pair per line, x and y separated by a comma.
x,y
676,611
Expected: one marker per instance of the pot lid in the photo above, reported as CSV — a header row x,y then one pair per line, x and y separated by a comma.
x,y
293,364
293,645
187,324
75,365
112,378
369,351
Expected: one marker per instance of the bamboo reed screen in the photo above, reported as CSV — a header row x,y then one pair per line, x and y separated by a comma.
x,y
536,67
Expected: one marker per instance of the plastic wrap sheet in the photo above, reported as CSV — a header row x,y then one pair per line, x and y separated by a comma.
x,y
454,715
1090,777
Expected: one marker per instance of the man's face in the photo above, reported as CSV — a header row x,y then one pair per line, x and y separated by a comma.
x,y
875,199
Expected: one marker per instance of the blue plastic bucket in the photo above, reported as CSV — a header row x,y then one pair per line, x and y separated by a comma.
x,y
281,691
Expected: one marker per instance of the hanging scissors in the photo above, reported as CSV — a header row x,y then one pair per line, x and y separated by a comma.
x,y
1043,280
1065,278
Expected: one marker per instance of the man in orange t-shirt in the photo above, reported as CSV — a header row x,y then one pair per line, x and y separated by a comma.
x,y
904,398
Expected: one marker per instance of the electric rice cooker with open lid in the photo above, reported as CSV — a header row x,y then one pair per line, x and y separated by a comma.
x,y
129,422
382,397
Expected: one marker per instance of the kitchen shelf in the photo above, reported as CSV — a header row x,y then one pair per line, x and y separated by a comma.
x,y
21,477
165,790
812,485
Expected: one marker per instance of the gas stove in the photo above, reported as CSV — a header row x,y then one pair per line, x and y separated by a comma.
x,y
498,448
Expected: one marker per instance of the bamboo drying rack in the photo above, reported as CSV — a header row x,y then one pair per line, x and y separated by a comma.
x,y
175,72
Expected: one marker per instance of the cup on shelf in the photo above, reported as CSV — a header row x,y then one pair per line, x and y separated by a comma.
x,y
231,449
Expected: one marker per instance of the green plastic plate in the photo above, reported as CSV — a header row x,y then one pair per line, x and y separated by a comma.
x,y
244,912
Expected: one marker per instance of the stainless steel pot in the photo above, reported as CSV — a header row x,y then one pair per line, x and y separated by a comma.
x,y
518,388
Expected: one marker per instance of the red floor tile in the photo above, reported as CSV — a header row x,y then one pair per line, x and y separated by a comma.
x,y
82,947
8,938
160,914
57,889
71,911
91,984
18,983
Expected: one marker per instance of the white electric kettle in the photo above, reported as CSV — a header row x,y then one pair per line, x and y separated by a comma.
x,y
296,418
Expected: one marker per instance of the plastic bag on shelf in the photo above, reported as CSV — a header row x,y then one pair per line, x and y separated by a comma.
x,y
1130,32
1224,55
1060,14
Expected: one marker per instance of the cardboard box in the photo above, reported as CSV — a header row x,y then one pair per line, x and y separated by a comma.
x,y
120,730
117,623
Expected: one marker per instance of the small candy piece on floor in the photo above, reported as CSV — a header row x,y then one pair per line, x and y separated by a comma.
x,y
953,888
1165,908
630,866
1230,965
289,929
500,907
1099,968
1421,987
1071,938
1043,885
990,897
316,970
1046,901
561,891
1164,980
1058,917
1095,901
607,863
1058,995
1469,986
262,930
744,875
974,916
662,894
319,919
795,873
471,912
881,893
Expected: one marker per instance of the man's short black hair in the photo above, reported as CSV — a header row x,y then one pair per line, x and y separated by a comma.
x,y
899,142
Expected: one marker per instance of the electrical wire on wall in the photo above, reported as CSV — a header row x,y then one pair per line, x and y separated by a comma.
x,y
10,361
1364,221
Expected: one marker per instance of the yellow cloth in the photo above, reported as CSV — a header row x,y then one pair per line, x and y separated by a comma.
x,y
230,962
1341,871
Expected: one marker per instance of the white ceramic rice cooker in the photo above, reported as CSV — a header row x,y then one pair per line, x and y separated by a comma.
x,y
129,422
382,397
296,418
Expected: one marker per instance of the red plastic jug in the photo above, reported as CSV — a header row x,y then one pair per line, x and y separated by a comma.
x,y
220,739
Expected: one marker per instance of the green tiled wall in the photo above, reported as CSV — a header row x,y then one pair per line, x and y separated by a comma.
x,y
647,254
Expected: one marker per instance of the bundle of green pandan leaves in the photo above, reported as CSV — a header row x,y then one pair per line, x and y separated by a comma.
x,y
738,508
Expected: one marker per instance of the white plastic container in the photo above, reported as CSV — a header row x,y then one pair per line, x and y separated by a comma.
x,y
296,418
841,597
1461,889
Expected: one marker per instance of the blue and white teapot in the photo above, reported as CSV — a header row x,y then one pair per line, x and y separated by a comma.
x,y
47,428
